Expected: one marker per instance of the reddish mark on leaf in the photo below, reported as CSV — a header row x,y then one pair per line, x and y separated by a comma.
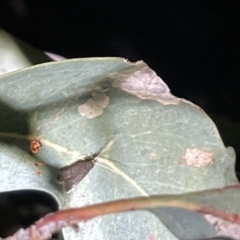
x,y
38,164
38,172
81,196
152,237
197,157
35,146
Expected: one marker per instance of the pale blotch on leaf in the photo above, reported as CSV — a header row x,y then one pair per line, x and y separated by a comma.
x,y
95,105
197,157
223,227
143,83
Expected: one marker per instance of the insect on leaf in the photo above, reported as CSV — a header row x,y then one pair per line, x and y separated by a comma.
x,y
71,175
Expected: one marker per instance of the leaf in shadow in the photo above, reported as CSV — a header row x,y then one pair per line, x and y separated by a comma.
x,y
21,208
183,223
221,203
17,54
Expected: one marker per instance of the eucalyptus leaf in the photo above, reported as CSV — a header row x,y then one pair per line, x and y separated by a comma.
x,y
147,141
16,54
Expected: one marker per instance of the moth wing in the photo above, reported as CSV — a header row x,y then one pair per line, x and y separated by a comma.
x,y
71,175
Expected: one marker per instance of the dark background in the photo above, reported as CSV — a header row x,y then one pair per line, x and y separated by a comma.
x,y
193,45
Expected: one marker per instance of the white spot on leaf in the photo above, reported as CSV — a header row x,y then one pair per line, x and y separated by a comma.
x,y
198,158
95,105
144,83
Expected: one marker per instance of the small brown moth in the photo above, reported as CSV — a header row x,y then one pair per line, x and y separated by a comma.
x,y
71,175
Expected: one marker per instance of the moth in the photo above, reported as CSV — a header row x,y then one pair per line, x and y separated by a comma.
x,y
71,175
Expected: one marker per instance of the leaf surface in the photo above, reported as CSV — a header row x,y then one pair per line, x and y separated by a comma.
x,y
146,140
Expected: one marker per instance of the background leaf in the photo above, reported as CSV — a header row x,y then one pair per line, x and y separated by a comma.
x,y
16,54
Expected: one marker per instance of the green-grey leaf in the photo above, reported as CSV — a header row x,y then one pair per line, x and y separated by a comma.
x,y
148,141
16,54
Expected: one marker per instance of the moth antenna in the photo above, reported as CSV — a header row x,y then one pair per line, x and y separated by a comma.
x,y
106,167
